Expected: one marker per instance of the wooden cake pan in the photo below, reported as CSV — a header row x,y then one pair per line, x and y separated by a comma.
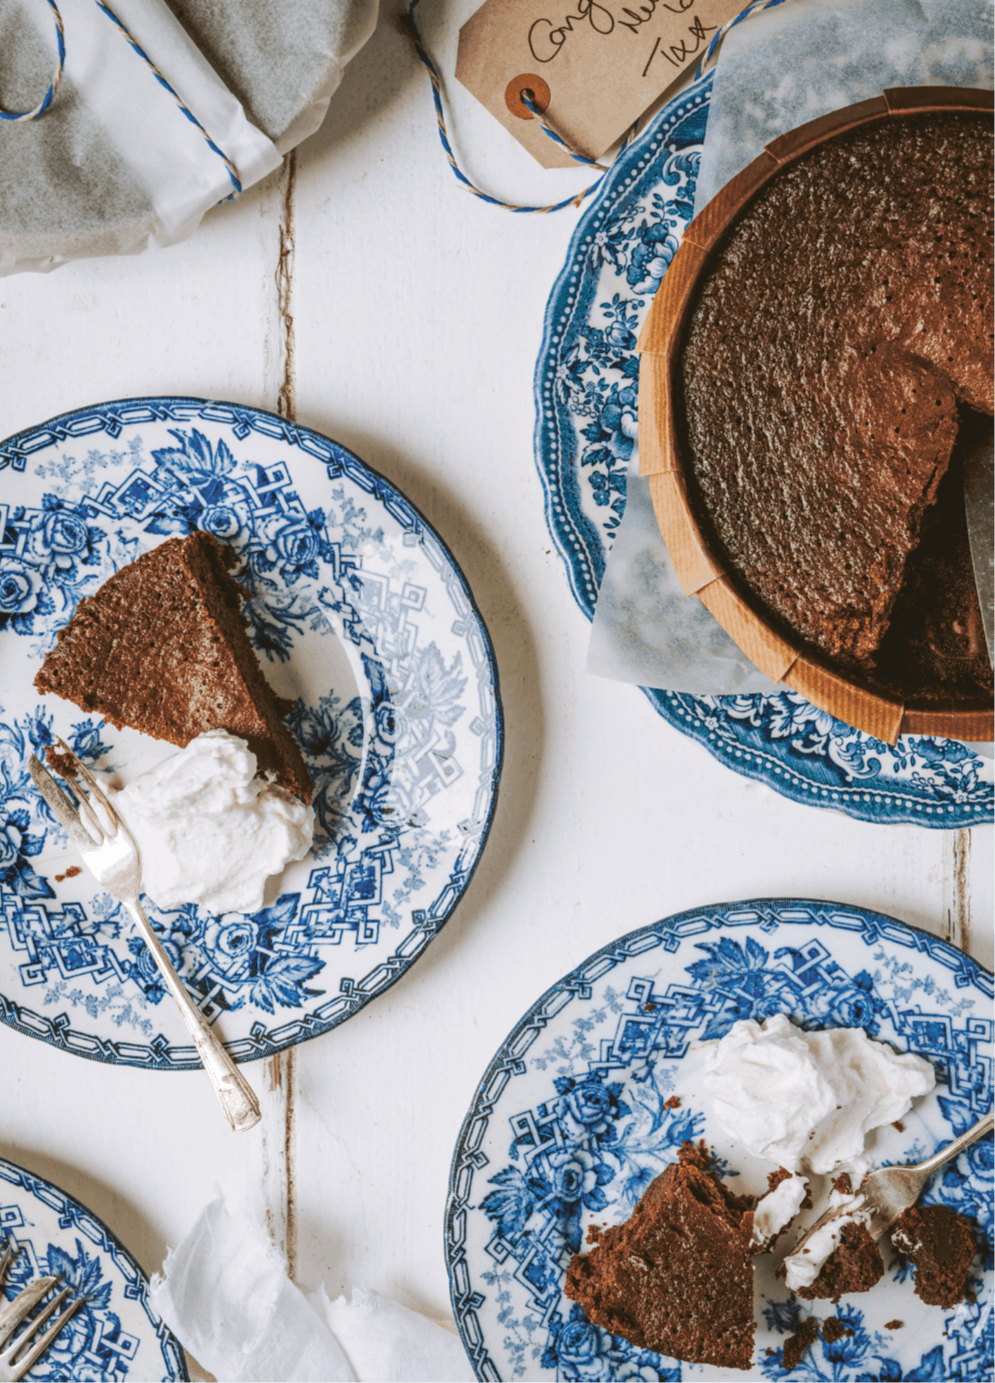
x,y
700,572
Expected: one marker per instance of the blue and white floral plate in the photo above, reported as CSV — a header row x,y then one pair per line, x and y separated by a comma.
x,y
360,616
115,1335
576,1115
587,405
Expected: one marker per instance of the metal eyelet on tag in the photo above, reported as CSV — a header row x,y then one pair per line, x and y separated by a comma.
x,y
528,81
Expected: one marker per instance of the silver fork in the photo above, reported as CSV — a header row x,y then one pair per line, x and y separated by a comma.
x,y
12,1313
885,1193
111,854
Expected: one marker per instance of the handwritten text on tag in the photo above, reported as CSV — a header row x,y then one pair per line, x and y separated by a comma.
x,y
599,63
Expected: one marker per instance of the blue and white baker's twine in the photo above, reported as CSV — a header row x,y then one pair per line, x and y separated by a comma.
x,y
405,20
406,23
717,37
232,170
53,86
49,96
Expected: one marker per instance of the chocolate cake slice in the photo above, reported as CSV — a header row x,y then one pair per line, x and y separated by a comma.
x,y
941,1245
677,1276
161,647
934,650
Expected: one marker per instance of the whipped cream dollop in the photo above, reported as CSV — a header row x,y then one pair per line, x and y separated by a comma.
x,y
807,1100
801,1269
777,1209
209,830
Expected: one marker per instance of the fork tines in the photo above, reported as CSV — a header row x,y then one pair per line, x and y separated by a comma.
x,y
14,1362
71,768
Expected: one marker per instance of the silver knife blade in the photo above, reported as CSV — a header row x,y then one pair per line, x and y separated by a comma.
x,y
979,481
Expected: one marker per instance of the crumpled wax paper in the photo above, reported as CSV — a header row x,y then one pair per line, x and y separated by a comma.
x,y
114,166
778,69
225,1294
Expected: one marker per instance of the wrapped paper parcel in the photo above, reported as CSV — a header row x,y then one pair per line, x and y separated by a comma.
x,y
163,109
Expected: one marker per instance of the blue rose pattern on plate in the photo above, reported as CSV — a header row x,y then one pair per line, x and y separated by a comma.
x,y
576,1115
586,386
355,599
115,1335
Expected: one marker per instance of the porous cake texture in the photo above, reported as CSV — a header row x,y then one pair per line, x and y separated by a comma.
x,y
838,341
855,1265
161,647
941,1246
677,1276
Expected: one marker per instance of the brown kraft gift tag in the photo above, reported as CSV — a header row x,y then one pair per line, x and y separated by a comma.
x,y
593,66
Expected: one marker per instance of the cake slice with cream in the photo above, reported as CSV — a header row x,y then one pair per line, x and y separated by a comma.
x,y
161,647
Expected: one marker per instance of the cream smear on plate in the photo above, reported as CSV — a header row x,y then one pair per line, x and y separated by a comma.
x,y
210,831
807,1100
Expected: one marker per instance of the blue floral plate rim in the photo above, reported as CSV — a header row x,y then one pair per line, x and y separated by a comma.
x,y
111,418
780,740
510,1060
72,1212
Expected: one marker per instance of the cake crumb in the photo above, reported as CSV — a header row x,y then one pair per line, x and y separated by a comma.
x,y
941,1245
843,1184
673,1103
897,1123
796,1345
854,1265
64,764
70,873
774,1179
893,1325
834,1329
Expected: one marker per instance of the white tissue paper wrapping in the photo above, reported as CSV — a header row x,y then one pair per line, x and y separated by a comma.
x,y
778,69
115,166
225,1294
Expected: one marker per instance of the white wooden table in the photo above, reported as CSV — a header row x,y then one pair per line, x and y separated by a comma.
x,y
364,292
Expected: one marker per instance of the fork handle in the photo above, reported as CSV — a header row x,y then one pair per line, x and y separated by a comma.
x,y
965,1140
235,1095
